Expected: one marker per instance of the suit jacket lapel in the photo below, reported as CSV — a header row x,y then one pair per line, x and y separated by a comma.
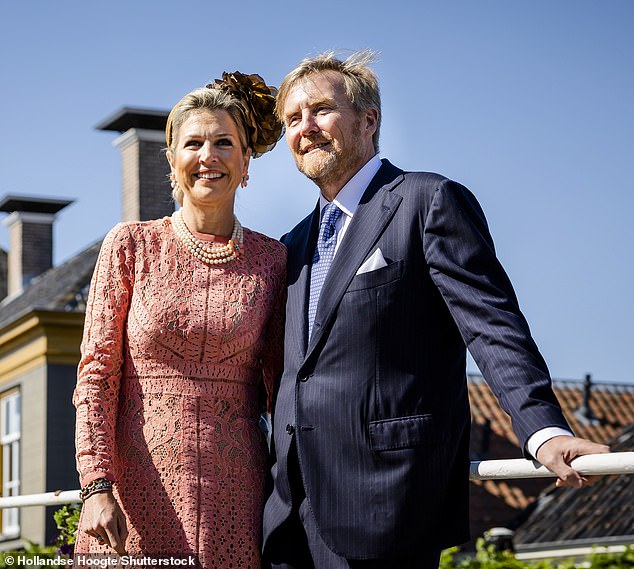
x,y
298,276
376,208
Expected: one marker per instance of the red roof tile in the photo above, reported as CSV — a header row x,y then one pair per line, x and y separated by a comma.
x,y
499,503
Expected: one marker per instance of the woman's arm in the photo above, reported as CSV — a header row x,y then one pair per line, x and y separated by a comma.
x,y
98,379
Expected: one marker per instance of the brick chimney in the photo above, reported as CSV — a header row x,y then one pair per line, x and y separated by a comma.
x,y
4,266
144,167
30,226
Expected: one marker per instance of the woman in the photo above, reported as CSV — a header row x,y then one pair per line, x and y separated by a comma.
x,y
183,326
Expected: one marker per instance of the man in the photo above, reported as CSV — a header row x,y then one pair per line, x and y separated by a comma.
x,y
390,279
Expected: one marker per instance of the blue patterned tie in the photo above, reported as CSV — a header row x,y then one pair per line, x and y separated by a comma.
x,y
322,259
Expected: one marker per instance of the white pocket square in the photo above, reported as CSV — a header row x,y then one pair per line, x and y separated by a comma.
x,y
372,263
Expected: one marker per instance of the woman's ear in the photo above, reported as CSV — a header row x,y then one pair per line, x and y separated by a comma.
x,y
247,158
245,168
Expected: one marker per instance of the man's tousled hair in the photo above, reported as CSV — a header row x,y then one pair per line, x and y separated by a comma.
x,y
359,80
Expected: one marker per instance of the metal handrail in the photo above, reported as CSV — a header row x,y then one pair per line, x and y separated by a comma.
x,y
587,465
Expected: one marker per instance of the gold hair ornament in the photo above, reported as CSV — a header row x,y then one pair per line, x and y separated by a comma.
x,y
258,102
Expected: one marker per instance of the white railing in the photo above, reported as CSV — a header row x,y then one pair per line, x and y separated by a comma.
x,y
45,499
588,465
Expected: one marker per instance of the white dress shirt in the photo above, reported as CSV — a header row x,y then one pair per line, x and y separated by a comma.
x,y
348,200
349,196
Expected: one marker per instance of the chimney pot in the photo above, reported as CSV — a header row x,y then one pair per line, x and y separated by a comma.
x,y
584,413
30,226
145,186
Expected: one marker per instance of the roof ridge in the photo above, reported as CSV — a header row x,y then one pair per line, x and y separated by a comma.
x,y
478,378
55,288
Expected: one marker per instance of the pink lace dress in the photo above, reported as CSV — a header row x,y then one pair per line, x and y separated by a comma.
x,y
173,355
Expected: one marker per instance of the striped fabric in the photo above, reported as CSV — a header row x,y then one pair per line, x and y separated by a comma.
x,y
376,402
322,259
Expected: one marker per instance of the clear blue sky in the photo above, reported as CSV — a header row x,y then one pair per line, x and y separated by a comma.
x,y
529,104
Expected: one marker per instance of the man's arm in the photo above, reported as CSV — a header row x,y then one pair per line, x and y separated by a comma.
x,y
463,264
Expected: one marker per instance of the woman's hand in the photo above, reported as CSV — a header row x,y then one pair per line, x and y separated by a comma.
x,y
103,519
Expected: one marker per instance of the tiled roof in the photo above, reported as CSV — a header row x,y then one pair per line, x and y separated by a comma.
x,y
500,503
62,288
603,510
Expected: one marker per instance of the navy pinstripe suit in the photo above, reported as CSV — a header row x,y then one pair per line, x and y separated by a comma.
x,y
377,401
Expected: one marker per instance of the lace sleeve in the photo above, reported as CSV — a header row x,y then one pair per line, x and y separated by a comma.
x,y
273,356
99,370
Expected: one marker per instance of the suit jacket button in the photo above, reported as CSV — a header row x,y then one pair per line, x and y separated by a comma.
x,y
290,429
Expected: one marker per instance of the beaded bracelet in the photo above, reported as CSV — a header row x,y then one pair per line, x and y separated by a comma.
x,y
95,487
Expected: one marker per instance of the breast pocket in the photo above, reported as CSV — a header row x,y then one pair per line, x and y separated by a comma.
x,y
401,432
382,276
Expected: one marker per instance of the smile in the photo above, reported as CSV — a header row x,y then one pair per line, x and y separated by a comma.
x,y
208,175
312,147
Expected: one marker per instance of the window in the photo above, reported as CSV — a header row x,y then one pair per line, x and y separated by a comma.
x,y
10,459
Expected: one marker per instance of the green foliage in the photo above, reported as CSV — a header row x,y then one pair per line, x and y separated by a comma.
x,y
67,520
41,551
612,560
488,557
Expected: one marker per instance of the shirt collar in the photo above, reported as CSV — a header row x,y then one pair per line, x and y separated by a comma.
x,y
350,195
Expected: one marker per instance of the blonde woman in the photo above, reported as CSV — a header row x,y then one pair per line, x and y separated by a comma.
x,y
183,331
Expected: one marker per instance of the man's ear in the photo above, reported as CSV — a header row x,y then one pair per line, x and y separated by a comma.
x,y
371,120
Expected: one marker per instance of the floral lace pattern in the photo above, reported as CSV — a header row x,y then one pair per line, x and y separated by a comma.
x,y
173,354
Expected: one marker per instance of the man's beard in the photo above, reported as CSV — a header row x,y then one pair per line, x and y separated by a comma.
x,y
331,166
318,164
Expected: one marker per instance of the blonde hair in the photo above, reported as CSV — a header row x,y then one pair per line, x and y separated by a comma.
x,y
360,82
203,99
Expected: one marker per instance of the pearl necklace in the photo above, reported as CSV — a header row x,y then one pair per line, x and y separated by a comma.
x,y
200,250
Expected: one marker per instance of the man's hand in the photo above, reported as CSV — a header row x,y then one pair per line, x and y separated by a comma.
x,y
557,453
104,520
